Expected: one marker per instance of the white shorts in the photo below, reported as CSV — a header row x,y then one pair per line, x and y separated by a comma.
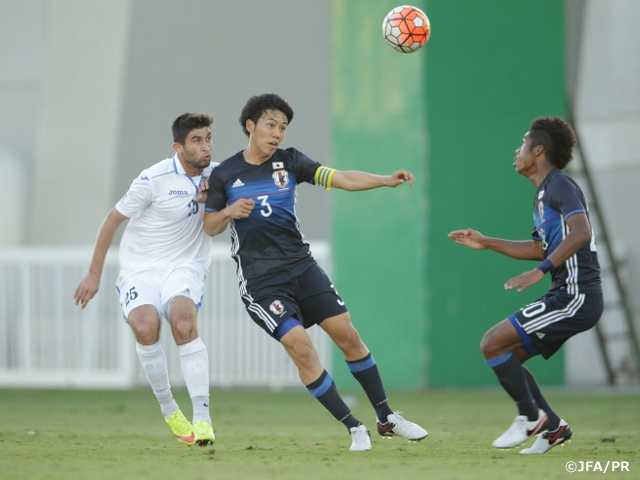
x,y
157,286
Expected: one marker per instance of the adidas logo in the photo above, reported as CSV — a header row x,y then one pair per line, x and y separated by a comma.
x,y
540,335
237,183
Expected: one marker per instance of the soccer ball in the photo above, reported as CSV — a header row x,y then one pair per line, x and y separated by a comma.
x,y
406,29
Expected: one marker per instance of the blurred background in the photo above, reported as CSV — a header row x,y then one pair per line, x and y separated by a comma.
x,y
88,92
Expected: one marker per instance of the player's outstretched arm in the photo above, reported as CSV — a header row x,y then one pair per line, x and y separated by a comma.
x,y
216,222
521,250
90,284
354,181
579,234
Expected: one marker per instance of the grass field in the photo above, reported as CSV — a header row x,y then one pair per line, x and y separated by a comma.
x,y
265,435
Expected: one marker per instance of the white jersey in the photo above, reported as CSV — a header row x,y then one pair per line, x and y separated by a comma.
x,y
165,228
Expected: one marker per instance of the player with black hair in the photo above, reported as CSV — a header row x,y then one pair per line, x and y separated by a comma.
x,y
564,243
283,288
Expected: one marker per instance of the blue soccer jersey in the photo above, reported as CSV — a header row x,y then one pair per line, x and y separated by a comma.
x,y
269,240
557,198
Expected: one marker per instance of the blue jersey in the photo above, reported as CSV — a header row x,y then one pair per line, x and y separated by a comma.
x,y
269,240
557,198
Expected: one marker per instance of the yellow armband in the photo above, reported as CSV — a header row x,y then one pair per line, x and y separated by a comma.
x,y
323,177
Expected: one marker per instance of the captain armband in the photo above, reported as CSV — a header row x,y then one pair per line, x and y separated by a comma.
x,y
323,177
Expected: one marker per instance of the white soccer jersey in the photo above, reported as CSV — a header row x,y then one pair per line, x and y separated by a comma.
x,y
165,228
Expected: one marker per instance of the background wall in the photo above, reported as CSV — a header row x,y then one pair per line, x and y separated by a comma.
x,y
606,99
85,45
482,97
21,56
105,80
215,55
449,113
88,91
379,237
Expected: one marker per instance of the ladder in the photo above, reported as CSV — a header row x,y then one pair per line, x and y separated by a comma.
x,y
615,332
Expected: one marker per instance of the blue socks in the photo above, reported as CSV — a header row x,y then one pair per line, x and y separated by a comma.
x,y
324,389
554,419
511,375
366,372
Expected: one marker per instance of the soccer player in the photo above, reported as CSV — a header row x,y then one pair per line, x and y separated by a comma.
x,y
283,288
164,259
563,241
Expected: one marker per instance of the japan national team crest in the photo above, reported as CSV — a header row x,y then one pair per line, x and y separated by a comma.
x,y
541,210
281,178
541,205
277,308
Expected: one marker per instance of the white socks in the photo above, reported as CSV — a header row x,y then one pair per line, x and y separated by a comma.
x,y
195,368
154,364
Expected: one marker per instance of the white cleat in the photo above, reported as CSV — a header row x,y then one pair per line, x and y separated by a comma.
x,y
397,425
360,438
548,440
521,430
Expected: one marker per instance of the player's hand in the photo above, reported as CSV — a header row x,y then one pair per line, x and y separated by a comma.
x,y
525,280
203,190
87,289
399,177
469,238
241,209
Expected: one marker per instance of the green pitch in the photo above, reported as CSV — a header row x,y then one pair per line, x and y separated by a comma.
x,y
264,435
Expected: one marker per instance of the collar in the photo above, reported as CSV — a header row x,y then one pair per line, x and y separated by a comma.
x,y
177,166
554,171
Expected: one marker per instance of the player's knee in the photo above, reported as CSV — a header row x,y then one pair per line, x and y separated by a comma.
x,y
349,340
146,332
304,354
184,330
487,346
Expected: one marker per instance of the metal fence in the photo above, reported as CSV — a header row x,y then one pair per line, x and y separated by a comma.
x,y
47,341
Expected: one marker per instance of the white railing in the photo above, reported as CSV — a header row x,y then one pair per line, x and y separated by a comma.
x,y
47,341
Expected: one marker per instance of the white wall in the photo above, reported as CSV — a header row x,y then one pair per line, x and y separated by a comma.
x,y
607,110
88,92
21,60
80,114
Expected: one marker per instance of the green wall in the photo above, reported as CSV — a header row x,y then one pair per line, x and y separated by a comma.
x,y
379,236
492,67
453,114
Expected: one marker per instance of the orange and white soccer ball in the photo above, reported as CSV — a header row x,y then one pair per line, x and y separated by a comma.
x,y
406,29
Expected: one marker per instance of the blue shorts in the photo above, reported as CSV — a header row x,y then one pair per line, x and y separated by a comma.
x,y
306,294
555,317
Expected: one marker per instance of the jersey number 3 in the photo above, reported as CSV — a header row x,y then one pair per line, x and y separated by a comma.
x,y
266,208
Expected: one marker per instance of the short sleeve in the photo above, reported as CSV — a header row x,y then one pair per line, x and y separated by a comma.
x,y
217,195
566,197
137,198
535,235
303,166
